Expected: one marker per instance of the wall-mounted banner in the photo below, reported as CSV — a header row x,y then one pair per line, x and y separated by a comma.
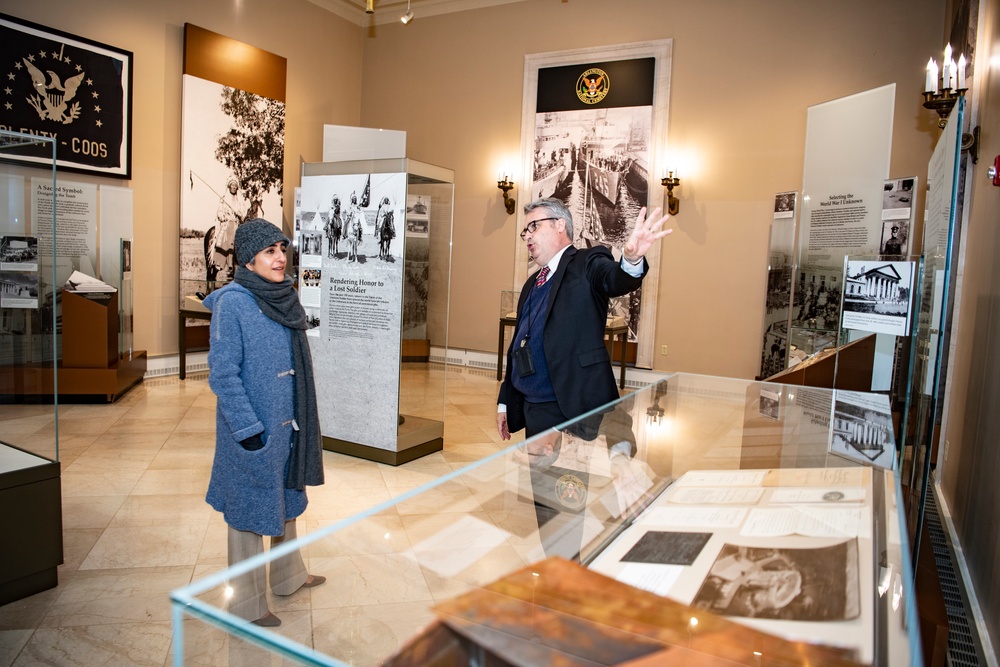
x,y
70,88
351,285
593,129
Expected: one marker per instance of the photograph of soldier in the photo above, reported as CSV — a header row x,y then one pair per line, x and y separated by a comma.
x,y
334,228
385,229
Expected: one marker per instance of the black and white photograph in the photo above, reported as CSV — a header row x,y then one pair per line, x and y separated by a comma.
x,y
418,216
769,403
778,296
897,198
416,286
667,548
877,296
595,161
232,161
811,584
19,253
64,85
784,204
862,429
817,298
895,239
126,257
18,290
312,321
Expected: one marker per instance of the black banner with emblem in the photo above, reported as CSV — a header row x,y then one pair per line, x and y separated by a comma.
x,y
78,91
619,83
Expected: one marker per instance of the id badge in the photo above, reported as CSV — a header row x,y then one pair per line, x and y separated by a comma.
x,y
522,360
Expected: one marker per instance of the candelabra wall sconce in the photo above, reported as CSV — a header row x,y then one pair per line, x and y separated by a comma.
x,y
506,185
670,182
942,91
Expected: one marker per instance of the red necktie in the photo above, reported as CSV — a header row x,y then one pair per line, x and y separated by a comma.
x,y
541,276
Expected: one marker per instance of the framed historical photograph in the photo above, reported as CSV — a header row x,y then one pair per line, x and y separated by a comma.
x,y
71,88
594,135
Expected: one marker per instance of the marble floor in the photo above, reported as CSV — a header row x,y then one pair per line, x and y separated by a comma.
x,y
136,525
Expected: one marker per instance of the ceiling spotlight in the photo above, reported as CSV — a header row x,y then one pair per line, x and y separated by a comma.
x,y
408,16
370,7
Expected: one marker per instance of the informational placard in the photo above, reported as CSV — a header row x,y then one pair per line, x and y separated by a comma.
x,y
77,237
351,278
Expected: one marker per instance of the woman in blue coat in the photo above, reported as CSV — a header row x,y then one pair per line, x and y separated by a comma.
x,y
268,446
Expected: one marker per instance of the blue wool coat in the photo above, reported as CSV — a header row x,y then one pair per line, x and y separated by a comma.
x,y
250,370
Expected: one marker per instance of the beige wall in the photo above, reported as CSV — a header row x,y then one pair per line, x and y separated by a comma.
x,y
323,86
743,75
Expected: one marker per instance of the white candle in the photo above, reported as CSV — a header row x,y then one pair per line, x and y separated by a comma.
x,y
961,71
947,69
953,69
930,83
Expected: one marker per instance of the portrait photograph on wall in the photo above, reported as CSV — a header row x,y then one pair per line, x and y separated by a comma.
x,y
591,127
69,87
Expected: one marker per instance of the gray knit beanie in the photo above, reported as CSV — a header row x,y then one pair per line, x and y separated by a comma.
x,y
255,235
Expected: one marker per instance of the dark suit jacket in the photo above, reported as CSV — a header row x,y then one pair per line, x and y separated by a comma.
x,y
573,334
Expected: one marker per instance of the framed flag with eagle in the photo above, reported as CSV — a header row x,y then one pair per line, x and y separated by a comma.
x,y
73,89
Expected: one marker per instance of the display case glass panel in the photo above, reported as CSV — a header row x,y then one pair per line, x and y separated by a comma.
x,y
697,517
29,305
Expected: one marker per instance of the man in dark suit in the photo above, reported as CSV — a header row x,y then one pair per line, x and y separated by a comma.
x,y
557,366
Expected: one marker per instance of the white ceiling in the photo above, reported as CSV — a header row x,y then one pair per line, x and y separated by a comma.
x,y
387,11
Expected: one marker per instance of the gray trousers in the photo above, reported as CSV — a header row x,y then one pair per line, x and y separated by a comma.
x,y
287,574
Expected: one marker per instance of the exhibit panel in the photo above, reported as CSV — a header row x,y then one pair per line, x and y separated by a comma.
x,y
698,519
374,255
848,144
30,488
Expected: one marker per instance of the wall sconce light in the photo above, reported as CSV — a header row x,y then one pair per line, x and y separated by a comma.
x,y
370,7
408,16
654,414
506,185
941,93
670,182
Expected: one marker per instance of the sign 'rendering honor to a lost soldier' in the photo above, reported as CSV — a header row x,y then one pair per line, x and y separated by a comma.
x,y
72,89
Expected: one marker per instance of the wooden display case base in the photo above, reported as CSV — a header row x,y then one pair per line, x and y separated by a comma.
x,y
415,349
416,437
112,383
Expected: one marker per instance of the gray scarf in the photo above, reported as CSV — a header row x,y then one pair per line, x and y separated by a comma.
x,y
280,302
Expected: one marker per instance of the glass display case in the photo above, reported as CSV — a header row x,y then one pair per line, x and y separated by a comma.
x,y
697,518
31,514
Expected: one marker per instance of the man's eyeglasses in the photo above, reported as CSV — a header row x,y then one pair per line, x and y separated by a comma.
x,y
533,225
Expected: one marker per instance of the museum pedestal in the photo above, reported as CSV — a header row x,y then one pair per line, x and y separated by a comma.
x,y
31,524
